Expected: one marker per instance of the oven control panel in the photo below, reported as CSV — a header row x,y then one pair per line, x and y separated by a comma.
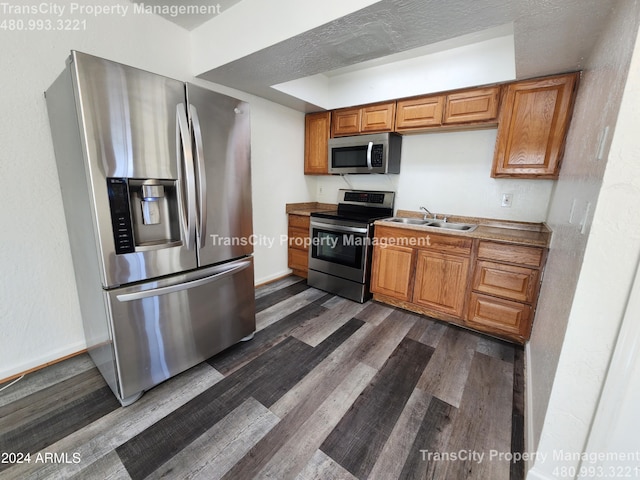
x,y
358,197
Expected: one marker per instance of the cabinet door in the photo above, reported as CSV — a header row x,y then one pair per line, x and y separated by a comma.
x,y
316,137
391,271
418,113
499,316
346,121
532,127
509,281
441,282
378,118
477,105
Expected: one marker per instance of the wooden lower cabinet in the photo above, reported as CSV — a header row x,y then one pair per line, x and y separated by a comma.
x,y
391,271
441,281
499,316
298,252
504,289
484,285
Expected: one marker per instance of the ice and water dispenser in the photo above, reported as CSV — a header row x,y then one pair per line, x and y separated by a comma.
x,y
144,214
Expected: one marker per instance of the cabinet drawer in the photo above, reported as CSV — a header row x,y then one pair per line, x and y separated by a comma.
x,y
510,253
298,259
499,316
515,283
299,239
300,221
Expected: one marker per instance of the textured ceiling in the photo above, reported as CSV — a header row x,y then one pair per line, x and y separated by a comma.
x,y
551,36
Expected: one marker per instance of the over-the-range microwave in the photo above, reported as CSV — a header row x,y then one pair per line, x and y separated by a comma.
x,y
376,153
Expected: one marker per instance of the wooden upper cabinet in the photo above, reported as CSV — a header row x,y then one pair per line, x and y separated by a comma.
x,y
346,121
533,125
418,113
316,136
477,105
374,118
378,118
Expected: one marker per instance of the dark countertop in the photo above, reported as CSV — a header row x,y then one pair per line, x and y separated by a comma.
x,y
523,233
307,208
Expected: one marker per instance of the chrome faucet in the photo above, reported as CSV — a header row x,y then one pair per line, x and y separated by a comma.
x,y
427,213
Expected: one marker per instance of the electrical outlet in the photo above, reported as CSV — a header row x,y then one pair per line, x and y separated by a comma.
x,y
507,200
320,191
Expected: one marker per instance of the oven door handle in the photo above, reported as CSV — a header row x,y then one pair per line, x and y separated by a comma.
x,y
340,228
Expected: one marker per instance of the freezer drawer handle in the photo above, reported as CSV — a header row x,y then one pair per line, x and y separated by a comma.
x,y
129,297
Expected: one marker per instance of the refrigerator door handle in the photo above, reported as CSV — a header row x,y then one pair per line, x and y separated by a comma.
x,y
186,176
129,297
200,174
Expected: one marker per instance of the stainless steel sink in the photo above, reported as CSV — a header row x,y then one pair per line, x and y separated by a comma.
x,y
409,221
463,227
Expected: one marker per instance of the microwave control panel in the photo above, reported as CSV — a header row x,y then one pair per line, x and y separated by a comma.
x,y
377,155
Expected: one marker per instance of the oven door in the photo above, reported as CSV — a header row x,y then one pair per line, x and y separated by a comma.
x,y
339,250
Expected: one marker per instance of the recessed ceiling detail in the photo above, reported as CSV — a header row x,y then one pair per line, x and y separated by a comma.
x,y
549,36
477,59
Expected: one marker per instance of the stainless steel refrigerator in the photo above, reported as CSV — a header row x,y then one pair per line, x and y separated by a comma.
x,y
156,184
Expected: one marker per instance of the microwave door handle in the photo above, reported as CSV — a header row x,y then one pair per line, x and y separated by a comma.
x,y
369,149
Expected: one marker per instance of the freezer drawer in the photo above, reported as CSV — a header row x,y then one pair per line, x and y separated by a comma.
x,y
165,327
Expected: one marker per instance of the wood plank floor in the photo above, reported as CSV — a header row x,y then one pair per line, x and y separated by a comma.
x,y
327,389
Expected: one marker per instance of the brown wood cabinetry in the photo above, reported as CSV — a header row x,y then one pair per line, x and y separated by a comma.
x,y
504,289
476,105
473,106
374,118
441,281
533,124
419,113
484,285
298,251
317,129
420,271
391,271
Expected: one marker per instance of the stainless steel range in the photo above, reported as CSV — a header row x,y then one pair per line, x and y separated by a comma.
x,y
341,243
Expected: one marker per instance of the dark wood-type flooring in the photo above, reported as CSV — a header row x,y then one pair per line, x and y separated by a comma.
x,y
327,389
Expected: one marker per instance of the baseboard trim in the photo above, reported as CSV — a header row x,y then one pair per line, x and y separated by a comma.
x,y
42,362
272,278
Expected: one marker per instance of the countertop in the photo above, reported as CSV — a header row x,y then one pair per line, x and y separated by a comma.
x,y
535,234
307,208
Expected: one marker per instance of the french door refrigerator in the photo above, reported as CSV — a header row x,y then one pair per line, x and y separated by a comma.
x,y
156,184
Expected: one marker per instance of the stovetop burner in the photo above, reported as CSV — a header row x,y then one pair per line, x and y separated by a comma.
x,y
360,206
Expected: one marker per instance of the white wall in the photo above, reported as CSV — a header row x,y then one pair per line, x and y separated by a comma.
x,y
40,316
449,172
39,311
588,276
